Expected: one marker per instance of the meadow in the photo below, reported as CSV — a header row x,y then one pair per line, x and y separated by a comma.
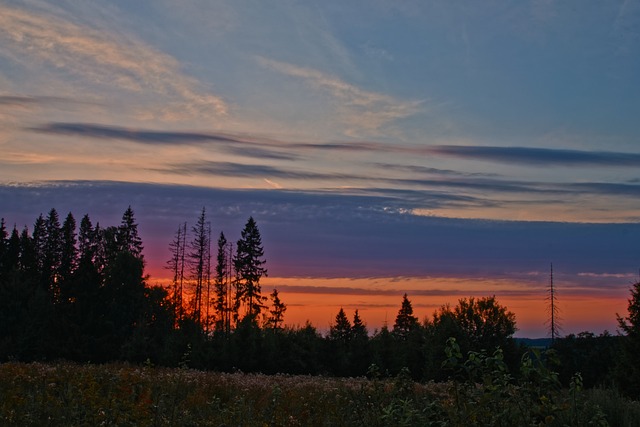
x,y
482,393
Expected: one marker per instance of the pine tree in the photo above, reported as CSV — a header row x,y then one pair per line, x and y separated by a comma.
x,y
25,253
127,236
4,236
86,240
628,369
221,284
360,353
68,252
405,320
198,262
358,329
4,243
88,312
39,237
278,308
341,330
248,264
176,266
630,325
14,256
52,255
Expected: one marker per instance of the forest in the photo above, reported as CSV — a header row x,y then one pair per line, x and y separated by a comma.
x,y
81,295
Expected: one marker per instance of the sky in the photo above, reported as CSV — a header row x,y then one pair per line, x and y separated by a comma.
x,y
443,149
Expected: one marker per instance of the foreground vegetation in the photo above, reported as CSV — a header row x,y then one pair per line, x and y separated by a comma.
x,y
481,392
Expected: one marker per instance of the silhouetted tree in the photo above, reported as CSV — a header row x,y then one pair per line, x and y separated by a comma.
x,y
341,330
127,237
68,259
360,352
248,264
553,310
339,340
477,324
628,370
405,320
52,255
358,329
87,314
4,242
199,255
176,265
39,237
276,313
221,283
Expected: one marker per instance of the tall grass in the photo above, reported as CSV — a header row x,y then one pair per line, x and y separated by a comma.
x,y
618,410
123,395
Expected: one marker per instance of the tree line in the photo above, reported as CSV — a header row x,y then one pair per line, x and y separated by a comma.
x,y
81,294
218,297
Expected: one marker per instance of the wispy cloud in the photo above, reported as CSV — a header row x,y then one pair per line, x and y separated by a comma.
x,y
363,110
255,147
539,156
529,156
24,101
424,170
242,170
102,58
91,130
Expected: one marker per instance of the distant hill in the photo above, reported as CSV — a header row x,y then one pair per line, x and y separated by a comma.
x,y
534,342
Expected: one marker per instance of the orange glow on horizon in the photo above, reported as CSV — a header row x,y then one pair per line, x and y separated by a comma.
x,y
317,300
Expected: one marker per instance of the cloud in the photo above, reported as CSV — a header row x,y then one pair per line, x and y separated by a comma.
x,y
231,169
260,153
262,147
364,111
605,188
231,144
23,101
91,130
335,235
471,184
102,58
432,171
529,156
539,156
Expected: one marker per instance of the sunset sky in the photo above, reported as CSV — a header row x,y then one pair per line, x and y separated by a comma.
x,y
443,149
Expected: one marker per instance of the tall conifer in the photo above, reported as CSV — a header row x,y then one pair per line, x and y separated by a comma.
x,y
249,268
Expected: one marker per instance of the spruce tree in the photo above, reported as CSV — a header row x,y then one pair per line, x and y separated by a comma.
x,y
199,256
276,314
86,240
360,353
221,284
127,236
176,265
341,330
248,264
39,237
52,255
4,242
68,256
26,258
359,330
405,320
628,369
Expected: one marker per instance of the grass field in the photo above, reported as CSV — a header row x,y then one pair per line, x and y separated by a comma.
x,y
65,394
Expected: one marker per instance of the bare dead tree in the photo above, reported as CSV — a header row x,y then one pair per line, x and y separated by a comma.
x,y
553,310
